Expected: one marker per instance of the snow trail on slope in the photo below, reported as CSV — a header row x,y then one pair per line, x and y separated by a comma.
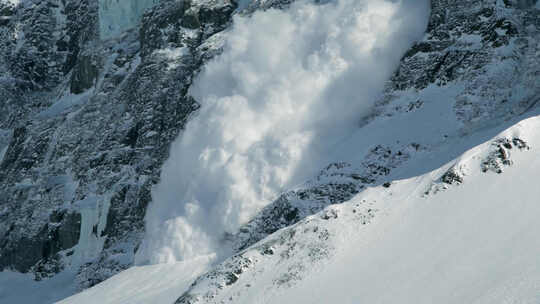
x,y
288,85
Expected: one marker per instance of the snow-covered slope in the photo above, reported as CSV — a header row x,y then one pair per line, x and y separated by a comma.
x,y
463,233
145,284
474,241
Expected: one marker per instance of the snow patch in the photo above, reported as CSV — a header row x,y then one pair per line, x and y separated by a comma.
x,y
66,102
146,284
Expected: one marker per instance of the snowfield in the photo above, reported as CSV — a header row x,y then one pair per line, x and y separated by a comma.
x,y
21,288
145,284
468,237
472,243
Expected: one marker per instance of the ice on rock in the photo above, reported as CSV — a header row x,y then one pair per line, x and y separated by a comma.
x,y
116,16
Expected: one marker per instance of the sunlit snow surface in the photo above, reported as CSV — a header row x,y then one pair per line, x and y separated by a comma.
x,y
144,284
476,242
288,86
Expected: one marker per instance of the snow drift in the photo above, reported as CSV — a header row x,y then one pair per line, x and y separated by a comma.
x,y
288,86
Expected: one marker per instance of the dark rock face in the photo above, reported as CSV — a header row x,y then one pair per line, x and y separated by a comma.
x,y
84,74
522,3
452,176
98,151
481,48
60,233
501,154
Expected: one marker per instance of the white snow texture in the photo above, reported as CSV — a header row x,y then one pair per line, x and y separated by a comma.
x,y
459,245
268,117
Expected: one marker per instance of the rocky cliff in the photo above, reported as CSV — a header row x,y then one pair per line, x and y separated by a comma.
x,y
86,124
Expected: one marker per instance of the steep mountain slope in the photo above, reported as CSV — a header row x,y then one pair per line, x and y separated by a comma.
x,y
464,233
87,135
87,124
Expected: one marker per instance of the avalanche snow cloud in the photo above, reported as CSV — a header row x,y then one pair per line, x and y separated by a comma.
x,y
288,86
